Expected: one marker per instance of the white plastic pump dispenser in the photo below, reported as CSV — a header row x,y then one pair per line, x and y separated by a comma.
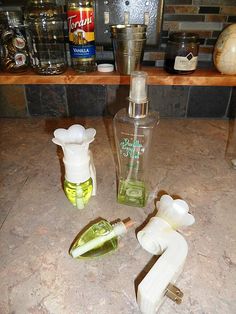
x,y
138,101
78,161
138,87
159,237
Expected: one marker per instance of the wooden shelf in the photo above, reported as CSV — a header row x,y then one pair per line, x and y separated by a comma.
x,y
156,76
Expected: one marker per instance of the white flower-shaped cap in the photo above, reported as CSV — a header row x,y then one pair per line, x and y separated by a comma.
x,y
75,134
175,212
75,140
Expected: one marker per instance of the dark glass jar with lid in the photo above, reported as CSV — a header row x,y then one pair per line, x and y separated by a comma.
x,y
14,55
182,53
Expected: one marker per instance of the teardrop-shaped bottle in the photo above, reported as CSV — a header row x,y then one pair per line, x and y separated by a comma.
x,y
100,229
99,239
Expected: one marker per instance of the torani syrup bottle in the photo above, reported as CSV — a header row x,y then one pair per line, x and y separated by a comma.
x,y
80,15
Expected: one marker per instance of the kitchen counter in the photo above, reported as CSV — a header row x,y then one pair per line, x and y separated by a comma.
x,y
38,224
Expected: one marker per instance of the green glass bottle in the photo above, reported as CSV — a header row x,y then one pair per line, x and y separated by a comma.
x,y
99,239
79,194
132,192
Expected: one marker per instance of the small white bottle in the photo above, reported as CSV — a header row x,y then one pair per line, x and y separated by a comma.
x,y
133,130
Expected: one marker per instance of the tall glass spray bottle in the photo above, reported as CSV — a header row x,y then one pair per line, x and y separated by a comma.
x,y
133,130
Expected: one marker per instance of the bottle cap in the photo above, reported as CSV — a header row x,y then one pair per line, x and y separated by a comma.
x,y
105,67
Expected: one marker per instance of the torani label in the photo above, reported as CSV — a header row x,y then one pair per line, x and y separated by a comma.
x,y
81,32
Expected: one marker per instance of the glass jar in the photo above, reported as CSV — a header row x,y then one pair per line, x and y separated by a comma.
x,y
45,36
14,56
182,53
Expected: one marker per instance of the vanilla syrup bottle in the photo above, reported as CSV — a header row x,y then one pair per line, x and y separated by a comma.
x,y
81,20
133,130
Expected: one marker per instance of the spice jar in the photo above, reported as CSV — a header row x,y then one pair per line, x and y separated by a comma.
x,y
45,36
182,53
14,56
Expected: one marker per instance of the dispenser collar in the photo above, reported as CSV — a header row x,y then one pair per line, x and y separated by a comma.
x,y
138,110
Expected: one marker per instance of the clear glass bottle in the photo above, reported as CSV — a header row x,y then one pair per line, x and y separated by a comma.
x,y
45,36
133,130
80,14
99,239
14,55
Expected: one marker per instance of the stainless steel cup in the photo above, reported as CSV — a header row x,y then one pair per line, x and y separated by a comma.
x,y
128,28
128,46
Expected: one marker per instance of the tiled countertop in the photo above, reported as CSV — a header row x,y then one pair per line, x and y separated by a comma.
x,y
38,224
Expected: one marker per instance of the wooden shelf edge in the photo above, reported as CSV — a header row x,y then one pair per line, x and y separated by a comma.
x,y
156,76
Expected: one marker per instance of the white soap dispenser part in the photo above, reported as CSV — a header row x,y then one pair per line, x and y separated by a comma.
x,y
159,237
80,173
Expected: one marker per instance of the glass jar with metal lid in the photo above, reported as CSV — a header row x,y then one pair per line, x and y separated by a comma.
x,y
182,53
14,55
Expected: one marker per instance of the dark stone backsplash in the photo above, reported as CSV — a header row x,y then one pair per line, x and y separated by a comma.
x,y
100,100
46,100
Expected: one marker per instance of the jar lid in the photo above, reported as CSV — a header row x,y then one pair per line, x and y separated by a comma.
x,y
184,37
105,67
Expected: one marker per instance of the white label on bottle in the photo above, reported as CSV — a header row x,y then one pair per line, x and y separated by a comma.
x,y
187,63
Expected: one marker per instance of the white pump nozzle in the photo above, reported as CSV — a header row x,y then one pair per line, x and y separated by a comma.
x,y
138,87
138,101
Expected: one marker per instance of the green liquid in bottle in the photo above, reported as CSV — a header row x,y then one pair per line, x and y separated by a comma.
x,y
132,193
97,230
79,194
